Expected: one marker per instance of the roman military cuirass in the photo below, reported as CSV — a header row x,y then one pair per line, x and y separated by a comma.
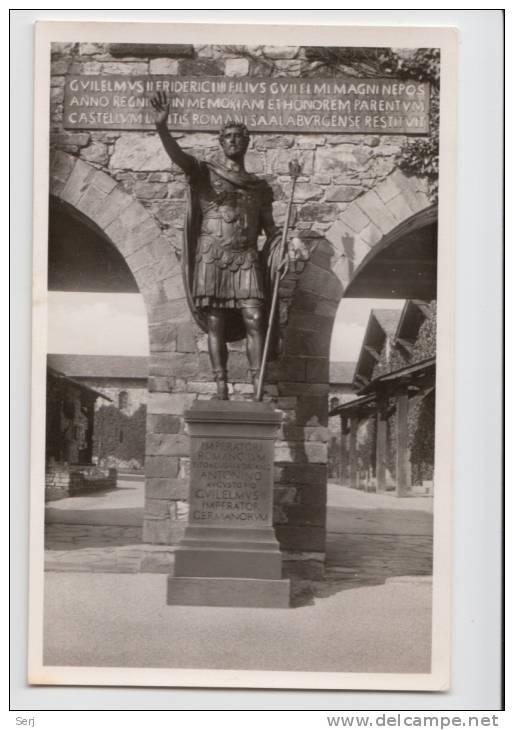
x,y
230,218
222,264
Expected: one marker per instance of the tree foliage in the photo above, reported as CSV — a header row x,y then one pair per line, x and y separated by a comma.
x,y
417,156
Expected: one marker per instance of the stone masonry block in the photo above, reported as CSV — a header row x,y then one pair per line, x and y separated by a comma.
x,y
201,67
151,50
167,488
164,444
124,68
75,139
273,141
286,388
307,343
61,166
409,188
342,238
133,229
174,288
317,368
200,387
343,193
116,202
160,385
301,537
164,423
304,494
169,364
306,191
287,368
96,152
370,236
387,189
186,341
314,476
150,190
299,567
164,66
300,514
277,162
373,206
141,258
355,218
139,152
298,452
254,162
157,508
312,411
161,467
147,283
320,282
165,311
78,181
93,200
309,321
157,532
169,403
278,52
163,337
236,67
400,208
237,366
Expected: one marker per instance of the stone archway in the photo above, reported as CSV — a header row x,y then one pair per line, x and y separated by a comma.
x,y
302,373
120,218
368,218
97,198
179,369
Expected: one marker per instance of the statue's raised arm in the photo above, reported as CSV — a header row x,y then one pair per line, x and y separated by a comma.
x,y
161,107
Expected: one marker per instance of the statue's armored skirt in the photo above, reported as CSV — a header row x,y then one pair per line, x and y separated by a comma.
x,y
228,272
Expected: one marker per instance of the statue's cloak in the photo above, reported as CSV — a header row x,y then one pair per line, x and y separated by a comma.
x,y
235,329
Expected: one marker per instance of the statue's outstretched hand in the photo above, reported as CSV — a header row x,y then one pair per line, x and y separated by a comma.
x,y
161,107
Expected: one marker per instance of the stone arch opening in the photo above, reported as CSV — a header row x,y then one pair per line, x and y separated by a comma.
x,y
112,244
341,262
80,257
179,370
394,373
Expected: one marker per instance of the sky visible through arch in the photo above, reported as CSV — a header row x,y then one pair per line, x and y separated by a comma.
x,y
86,323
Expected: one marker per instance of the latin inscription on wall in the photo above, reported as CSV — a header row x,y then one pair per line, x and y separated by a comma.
x,y
363,106
231,482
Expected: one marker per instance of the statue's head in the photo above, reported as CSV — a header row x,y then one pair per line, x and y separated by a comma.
x,y
234,139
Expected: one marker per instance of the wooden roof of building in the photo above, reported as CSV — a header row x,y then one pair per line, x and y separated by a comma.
x,y
100,366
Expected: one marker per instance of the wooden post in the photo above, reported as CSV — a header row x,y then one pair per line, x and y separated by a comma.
x,y
402,445
354,476
343,453
381,453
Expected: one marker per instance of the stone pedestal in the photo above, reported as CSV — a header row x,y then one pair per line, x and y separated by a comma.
x,y
229,555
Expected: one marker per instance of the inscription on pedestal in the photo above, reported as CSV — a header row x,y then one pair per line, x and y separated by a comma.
x,y
230,481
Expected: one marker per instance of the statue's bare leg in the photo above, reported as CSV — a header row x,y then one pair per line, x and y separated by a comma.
x,y
255,323
218,350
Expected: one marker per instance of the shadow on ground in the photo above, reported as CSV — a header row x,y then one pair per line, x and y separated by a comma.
x,y
369,547
92,528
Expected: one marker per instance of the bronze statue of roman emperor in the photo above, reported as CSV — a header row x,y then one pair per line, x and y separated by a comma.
x,y
227,277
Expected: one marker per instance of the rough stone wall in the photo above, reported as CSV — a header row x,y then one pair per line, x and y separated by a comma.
x,y
57,480
350,194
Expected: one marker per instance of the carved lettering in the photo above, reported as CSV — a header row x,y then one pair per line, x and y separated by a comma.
x,y
231,481
264,105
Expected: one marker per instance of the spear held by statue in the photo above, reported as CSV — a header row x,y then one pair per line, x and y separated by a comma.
x,y
295,170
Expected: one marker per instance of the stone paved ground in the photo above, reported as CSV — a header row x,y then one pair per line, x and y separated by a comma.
x,y
371,612
370,537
